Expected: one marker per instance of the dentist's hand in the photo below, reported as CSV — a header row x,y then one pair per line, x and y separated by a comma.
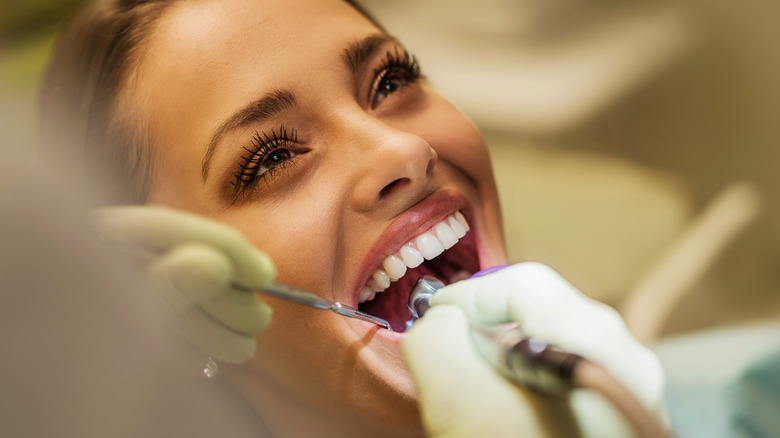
x,y
461,395
191,263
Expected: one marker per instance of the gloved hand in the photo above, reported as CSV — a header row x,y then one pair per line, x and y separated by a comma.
x,y
461,395
192,264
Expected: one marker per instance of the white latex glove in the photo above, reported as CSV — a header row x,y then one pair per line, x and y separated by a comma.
x,y
192,263
461,395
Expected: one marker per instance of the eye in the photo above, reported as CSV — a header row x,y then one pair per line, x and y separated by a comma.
x,y
397,71
387,86
272,160
267,155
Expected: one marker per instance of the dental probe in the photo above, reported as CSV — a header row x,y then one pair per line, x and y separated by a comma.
x,y
536,364
275,290
315,301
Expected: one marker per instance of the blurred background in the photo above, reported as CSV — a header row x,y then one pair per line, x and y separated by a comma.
x,y
634,143
632,140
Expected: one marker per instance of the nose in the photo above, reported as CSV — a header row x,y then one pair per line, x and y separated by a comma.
x,y
392,168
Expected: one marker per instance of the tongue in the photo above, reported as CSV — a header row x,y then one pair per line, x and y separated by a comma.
x,y
453,265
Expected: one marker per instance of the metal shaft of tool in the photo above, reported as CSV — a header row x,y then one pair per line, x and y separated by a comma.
x,y
351,312
311,300
295,295
279,291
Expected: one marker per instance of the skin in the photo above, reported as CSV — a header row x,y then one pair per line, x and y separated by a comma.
x,y
367,165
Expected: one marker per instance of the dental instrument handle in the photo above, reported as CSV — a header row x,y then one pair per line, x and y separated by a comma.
x,y
521,359
526,360
536,364
589,375
295,295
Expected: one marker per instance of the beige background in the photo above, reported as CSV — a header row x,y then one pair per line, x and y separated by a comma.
x,y
613,125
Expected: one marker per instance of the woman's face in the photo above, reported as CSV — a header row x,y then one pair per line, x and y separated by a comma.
x,y
308,129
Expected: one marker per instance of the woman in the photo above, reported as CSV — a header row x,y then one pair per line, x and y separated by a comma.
x,y
309,129
303,125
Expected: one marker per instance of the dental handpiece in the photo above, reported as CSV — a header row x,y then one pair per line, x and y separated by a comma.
x,y
522,359
536,364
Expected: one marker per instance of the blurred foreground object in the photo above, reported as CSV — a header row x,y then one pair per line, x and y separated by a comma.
x,y
83,355
193,265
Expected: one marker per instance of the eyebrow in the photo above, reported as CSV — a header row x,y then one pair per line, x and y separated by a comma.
x,y
359,52
354,56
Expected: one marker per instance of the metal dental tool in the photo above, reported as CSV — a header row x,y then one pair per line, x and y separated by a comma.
x,y
311,300
536,364
522,359
419,299
279,291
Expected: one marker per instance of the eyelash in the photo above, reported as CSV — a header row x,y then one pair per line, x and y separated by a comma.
x,y
398,64
257,155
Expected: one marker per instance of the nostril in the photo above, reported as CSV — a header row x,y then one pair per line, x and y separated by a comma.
x,y
431,164
390,187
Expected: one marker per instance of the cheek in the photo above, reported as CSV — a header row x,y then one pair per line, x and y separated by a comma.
x,y
295,233
458,142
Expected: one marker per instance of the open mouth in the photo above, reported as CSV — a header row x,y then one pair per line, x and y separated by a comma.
x,y
446,251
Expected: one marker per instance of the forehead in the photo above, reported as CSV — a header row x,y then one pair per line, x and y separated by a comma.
x,y
206,57
204,31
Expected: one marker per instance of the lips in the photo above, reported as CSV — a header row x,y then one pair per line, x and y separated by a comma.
x,y
432,238
426,246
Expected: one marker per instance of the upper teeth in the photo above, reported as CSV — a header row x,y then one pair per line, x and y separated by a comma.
x,y
444,235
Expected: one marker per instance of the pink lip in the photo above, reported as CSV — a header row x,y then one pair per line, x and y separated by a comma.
x,y
412,222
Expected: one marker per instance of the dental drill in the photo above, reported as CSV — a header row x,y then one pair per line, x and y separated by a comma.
x,y
522,359
533,363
